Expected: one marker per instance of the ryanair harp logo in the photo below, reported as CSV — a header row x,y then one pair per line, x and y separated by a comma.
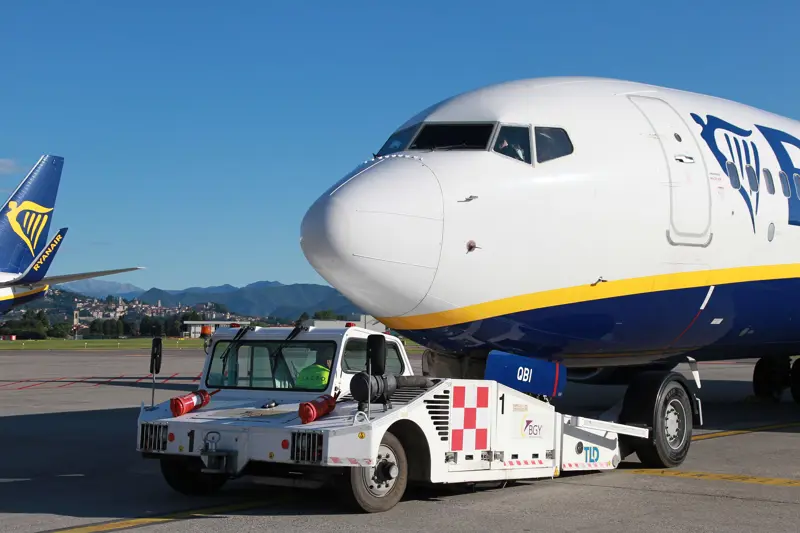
x,y
34,219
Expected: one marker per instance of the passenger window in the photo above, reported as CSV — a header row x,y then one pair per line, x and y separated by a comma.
x,y
552,143
769,181
797,184
514,142
752,177
733,174
787,191
354,359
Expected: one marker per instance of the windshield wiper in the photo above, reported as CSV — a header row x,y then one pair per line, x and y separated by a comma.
x,y
454,146
236,341
279,352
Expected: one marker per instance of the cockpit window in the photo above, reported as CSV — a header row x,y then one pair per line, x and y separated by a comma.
x,y
552,143
453,137
398,141
514,142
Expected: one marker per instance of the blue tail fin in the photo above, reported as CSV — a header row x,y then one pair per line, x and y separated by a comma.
x,y
25,217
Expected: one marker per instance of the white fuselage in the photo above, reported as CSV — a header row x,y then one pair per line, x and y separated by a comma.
x,y
13,296
631,246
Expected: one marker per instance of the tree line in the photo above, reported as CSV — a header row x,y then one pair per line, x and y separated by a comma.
x,y
147,326
36,325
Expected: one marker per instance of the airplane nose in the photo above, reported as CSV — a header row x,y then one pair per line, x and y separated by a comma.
x,y
377,236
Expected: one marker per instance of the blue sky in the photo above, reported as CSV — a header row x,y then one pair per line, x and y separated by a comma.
x,y
197,133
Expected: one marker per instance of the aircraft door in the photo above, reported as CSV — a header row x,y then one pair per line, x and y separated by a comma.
x,y
690,191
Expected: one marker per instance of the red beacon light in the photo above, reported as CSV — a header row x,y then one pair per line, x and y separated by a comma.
x,y
350,324
235,325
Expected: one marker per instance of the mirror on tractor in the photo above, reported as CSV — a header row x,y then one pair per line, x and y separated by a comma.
x,y
376,354
155,356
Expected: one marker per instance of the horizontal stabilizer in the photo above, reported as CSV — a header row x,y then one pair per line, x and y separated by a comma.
x,y
55,280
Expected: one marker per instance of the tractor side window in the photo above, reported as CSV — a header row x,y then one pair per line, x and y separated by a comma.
x,y
354,359
394,363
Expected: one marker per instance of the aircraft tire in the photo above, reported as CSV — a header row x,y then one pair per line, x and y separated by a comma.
x,y
184,476
795,380
770,377
361,491
660,401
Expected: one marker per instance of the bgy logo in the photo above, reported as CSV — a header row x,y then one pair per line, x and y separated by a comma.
x,y
33,221
531,429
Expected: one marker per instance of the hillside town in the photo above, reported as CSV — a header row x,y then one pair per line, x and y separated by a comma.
x,y
62,313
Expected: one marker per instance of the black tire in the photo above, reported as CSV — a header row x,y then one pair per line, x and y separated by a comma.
x,y
647,401
795,380
183,475
769,378
359,494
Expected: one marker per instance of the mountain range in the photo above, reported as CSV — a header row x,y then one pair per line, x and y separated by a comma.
x,y
261,298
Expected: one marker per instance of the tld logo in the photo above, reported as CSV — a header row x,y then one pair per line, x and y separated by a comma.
x,y
591,454
531,430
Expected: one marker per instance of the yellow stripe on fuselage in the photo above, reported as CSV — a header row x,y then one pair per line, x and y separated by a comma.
x,y
586,293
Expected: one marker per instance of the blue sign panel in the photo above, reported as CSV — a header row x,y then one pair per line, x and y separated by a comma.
x,y
532,376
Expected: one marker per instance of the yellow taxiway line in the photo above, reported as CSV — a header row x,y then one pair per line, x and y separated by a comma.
x,y
731,433
118,525
711,476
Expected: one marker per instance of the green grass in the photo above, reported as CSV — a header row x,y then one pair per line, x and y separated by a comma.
x,y
100,344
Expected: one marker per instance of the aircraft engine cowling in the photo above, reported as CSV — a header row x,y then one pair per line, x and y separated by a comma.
x,y
621,375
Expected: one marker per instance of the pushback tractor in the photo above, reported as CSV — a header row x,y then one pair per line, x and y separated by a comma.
x,y
306,407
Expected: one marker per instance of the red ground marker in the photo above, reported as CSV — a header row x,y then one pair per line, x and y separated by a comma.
x,y
74,382
42,383
15,382
108,381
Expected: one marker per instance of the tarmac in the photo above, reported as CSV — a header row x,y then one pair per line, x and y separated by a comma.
x,y
68,431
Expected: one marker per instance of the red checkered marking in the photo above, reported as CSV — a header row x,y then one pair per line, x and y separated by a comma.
x,y
601,464
469,418
523,462
351,460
